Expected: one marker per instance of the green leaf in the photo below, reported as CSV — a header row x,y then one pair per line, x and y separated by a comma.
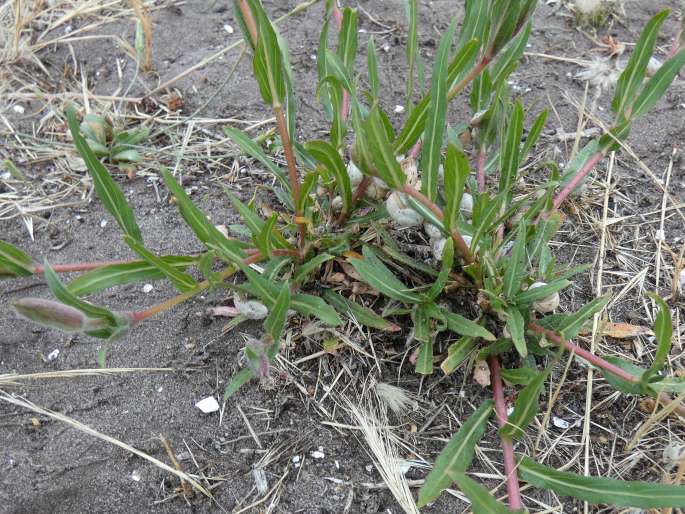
x,y
525,408
447,262
482,502
411,48
347,39
435,126
510,153
414,126
362,314
182,281
242,378
267,62
126,273
308,184
656,86
571,325
265,236
530,295
312,264
310,305
632,76
327,155
519,376
277,315
457,353
624,385
600,490
517,329
516,264
462,326
424,361
510,57
337,70
381,152
372,65
456,457
663,331
109,193
14,262
378,276
534,134
249,147
545,230
200,225
457,172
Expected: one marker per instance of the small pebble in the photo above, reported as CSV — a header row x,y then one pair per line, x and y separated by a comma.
x,y
135,476
147,288
53,355
560,423
208,405
19,109
399,109
228,28
103,223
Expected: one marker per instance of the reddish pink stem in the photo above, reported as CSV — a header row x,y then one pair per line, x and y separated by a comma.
x,y
84,266
414,152
582,353
513,487
577,178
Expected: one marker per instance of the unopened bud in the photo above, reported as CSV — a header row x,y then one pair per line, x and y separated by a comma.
x,y
400,212
56,315
251,309
548,303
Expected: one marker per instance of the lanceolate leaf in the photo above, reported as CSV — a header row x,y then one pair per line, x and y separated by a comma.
x,y
14,262
657,85
509,156
435,126
456,457
372,65
312,264
378,276
536,293
510,57
424,361
118,274
515,325
381,151
416,122
267,62
525,408
242,378
181,280
572,324
252,149
109,193
663,331
482,502
534,134
347,39
516,264
446,267
310,305
463,326
412,45
631,79
457,353
327,155
456,173
361,314
263,239
600,490
200,225
276,320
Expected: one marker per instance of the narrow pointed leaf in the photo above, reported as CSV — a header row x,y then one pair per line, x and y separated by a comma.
x,y
327,155
463,326
657,85
525,408
446,267
482,501
362,314
520,376
310,305
267,62
107,190
600,490
457,353
663,331
457,171
347,39
510,154
381,151
311,265
572,324
516,264
239,380
372,65
424,361
515,324
277,315
378,276
182,281
536,293
435,126
118,274
411,48
456,457
14,262
265,236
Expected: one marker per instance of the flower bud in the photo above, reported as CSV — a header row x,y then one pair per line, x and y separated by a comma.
x,y
354,173
377,189
251,309
56,315
548,303
466,203
337,203
400,212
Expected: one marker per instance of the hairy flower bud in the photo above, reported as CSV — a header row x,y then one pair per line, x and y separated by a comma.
x,y
251,309
400,212
56,315
548,303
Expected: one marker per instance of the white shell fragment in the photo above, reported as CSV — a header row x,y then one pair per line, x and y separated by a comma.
x,y
466,203
147,288
681,281
560,423
354,173
548,303
208,405
251,309
438,246
53,354
432,231
318,454
400,212
377,189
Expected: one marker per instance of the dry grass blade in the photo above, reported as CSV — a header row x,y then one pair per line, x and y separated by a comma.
x,y
15,379
384,450
20,402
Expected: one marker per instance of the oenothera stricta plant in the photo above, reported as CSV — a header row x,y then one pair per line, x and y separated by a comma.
x,y
346,204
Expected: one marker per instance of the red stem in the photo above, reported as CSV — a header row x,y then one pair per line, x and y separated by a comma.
x,y
83,266
584,354
513,488
414,152
577,178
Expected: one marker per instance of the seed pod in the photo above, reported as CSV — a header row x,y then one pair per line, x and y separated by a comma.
x,y
354,173
548,303
251,309
400,212
377,189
